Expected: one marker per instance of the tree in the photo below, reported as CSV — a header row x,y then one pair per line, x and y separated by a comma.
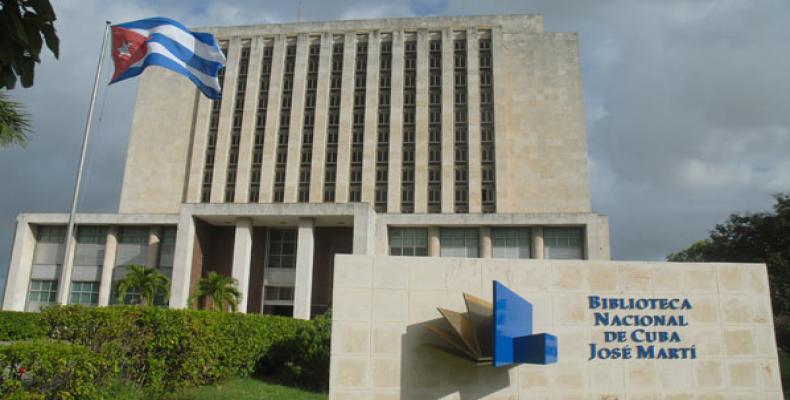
x,y
14,123
220,289
754,238
25,25
148,281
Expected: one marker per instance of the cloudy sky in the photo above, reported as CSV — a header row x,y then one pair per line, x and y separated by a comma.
x,y
687,106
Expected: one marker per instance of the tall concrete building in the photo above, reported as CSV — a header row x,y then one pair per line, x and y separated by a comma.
x,y
438,137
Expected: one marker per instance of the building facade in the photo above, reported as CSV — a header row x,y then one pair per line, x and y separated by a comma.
x,y
438,137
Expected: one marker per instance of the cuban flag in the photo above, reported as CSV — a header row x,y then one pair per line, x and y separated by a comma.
x,y
168,44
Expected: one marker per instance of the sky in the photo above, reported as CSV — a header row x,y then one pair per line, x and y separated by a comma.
x,y
687,106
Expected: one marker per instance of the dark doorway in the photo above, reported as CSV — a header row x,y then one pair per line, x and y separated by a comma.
x,y
328,242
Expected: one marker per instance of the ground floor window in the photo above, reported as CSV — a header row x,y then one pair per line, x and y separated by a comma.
x,y
408,241
282,248
285,311
278,300
86,293
279,293
510,242
43,291
563,243
459,242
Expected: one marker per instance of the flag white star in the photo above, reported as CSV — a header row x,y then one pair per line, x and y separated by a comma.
x,y
124,49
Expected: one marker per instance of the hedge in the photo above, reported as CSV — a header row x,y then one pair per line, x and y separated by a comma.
x,y
20,325
162,350
45,369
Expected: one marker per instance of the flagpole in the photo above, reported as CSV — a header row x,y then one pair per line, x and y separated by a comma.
x,y
65,279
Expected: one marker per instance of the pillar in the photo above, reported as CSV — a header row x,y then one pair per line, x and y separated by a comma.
x,y
434,242
152,254
110,249
486,247
303,285
242,258
421,125
20,267
64,285
537,242
182,262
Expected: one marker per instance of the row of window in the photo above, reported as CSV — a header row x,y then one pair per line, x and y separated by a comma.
x,y
510,242
132,248
360,68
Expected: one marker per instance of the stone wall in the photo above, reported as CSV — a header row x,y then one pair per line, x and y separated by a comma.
x,y
383,304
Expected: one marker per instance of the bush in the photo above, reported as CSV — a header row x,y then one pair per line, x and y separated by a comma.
x,y
302,359
162,349
44,369
20,326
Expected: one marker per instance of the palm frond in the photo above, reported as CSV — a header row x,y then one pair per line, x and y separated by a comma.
x,y
15,125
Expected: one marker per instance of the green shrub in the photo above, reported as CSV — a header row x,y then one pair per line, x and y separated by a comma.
x,y
161,349
302,356
45,369
20,325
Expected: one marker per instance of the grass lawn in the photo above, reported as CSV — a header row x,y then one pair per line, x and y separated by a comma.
x,y
235,389
248,389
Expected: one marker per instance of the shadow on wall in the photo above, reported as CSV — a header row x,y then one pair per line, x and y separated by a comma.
x,y
430,373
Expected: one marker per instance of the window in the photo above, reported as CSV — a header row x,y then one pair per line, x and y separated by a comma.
x,y
49,245
90,245
43,291
132,246
167,247
408,241
459,242
562,243
86,293
510,242
279,293
282,249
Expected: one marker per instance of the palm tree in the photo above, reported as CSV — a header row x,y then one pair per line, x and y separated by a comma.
x,y
220,289
148,281
14,123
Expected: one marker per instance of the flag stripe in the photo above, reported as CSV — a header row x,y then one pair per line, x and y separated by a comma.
x,y
150,23
160,60
202,50
185,54
156,48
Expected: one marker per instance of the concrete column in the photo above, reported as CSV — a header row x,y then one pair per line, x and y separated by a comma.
x,y
421,125
152,254
199,142
296,125
501,139
364,231
247,143
64,284
182,262
346,118
448,122
242,259
473,107
434,242
110,249
321,113
371,119
396,125
19,269
226,112
272,120
537,242
303,285
486,246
